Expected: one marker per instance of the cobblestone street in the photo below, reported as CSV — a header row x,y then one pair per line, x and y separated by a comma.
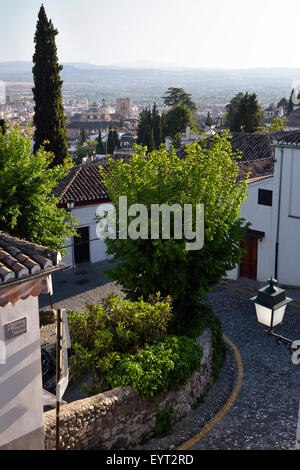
x,y
264,414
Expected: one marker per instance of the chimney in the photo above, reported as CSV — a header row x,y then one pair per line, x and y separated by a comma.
x,y
168,142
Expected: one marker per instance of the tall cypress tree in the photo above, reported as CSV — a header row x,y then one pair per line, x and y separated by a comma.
x,y
110,141
2,126
100,150
116,139
49,117
290,106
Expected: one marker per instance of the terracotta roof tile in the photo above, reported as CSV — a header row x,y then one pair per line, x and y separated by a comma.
x,y
290,138
261,168
20,258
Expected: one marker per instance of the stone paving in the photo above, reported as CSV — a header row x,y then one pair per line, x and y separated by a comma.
x,y
264,415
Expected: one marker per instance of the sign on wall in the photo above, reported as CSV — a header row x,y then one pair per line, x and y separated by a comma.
x,y
15,328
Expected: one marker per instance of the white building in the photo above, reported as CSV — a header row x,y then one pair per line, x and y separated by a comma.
x,y
25,272
84,190
273,207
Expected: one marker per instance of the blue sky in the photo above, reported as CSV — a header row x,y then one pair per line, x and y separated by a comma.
x,y
192,33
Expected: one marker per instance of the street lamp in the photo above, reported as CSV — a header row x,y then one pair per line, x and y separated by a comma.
x,y
70,205
270,304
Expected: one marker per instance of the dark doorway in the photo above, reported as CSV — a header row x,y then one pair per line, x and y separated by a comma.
x,y
82,246
248,266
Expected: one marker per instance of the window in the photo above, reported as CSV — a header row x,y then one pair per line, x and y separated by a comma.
x,y
265,197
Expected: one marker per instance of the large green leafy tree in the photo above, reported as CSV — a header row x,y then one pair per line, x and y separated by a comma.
x,y
207,175
177,96
49,116
177,119
27,208
231,109
248,116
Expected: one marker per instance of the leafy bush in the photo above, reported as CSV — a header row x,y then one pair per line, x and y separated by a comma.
x,y
169,361
114,326
208,175
164,418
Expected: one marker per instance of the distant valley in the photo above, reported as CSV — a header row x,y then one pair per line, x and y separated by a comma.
x,y
148,84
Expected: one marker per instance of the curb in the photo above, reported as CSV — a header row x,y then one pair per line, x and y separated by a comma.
x,y
208,427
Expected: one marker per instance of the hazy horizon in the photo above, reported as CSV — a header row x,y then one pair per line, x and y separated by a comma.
x,y
224,35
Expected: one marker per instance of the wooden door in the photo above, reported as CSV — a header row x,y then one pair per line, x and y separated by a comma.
x,y
82,245
248,266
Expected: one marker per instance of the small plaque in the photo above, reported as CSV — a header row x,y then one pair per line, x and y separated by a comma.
x,y
15,328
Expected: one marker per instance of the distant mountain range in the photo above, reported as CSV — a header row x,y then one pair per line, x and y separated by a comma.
x,y
152,79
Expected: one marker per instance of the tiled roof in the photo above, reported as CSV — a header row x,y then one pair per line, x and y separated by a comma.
x,y
20,259
252,146
259,169
290,138
83,183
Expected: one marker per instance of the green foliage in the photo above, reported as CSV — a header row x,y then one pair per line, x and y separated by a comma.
x,y
49,117
27,208
150,133
231,109
82,136
177,119
114,326
156,368
113,140
248,115
176,141
85,150
100,149
177,96
277,124
209,121
164,419
290,106
2,126
207,175
205,319
283,102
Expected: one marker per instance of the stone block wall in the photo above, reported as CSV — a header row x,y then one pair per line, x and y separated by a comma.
x,y
118,418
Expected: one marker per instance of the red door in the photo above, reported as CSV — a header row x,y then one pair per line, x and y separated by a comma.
x,y
248,266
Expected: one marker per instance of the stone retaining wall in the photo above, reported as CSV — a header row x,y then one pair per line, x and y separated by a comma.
x,y
118,418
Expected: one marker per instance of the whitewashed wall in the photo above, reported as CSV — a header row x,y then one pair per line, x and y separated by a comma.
x,y
261,218
21,408
85,216
289,223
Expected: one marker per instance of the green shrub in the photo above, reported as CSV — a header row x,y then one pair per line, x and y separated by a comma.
x,y
114,326
164,419
156,368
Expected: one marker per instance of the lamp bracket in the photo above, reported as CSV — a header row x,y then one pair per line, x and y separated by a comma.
x,y
288,343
